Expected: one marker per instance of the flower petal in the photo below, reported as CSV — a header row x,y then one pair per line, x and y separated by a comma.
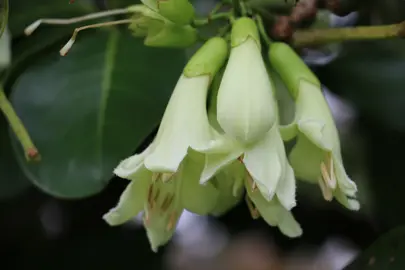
x,y
265,162
215,162
314,131
159,233
197,198
184,124
246,107
306,158
133,164
288,225
349,203
230,184
314,117
268,209
131,201
286,189
345,184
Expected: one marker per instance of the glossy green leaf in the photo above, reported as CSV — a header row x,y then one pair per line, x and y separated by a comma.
x,y
3,15
388,11
92,108
23,12
386,253
371,75
12,179
111,4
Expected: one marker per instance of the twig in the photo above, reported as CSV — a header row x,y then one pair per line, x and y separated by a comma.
x,y
323,36
31,152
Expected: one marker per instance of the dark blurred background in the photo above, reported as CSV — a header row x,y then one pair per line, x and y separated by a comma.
x,y
365,89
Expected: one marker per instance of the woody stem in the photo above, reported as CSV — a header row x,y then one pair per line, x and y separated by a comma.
x,y
323,36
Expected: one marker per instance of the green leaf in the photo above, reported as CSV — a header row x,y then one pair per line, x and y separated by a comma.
x,y
386,253
92,108
371,75
111,4
25,12
3,15
12,179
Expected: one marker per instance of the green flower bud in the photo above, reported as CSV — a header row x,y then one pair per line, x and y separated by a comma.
x,y
243,29
171,35
208,59
246,106
290,67
178,11
159,31
316,156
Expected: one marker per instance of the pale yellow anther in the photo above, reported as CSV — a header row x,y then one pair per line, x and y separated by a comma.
x,y
252,209
250,181
150,193
155,176
146,219
166,177
328,172
156,197
326,191
172,221
325,173
254,186
167,202
333,182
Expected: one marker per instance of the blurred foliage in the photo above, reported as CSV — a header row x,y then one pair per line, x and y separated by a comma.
x,y
88,110
104,80
386,253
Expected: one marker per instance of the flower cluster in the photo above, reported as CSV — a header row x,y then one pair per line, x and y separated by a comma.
x,y
204,158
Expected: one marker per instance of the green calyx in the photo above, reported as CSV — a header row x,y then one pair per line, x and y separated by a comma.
x,y
290,67
208,59
178,11
159,31
242,29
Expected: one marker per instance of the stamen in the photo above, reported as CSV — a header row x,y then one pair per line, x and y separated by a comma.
x,y
254,186
72,40
157,195
155,177
325,173
333,182
249,177
150,193
32,27
251,182
164,205
252,209
326,191
166,177
146,219
167,202
172,221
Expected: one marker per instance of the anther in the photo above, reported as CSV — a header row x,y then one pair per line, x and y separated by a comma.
x,y
326,191
252,209
172,221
